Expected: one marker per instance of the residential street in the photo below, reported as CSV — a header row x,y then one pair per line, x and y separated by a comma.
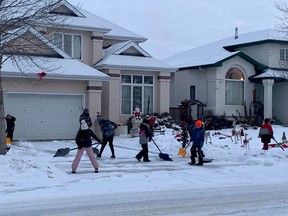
x,y
237,201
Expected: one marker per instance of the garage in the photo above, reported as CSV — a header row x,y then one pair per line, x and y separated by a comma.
x,y
44,116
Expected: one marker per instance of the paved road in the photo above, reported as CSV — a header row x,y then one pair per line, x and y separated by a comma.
x,y
237,201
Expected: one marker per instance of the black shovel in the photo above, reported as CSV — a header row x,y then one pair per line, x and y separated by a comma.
x,y
162,155
65,151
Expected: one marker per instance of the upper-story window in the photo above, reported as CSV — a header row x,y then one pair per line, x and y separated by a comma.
x,y
69,43
234,87
283,54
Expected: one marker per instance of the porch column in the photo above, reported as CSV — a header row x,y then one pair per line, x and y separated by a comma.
x,y
163,94
268,90
93,98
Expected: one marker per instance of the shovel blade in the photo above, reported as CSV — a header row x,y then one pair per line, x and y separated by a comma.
x,y
165,157
62,152
182,152
96,151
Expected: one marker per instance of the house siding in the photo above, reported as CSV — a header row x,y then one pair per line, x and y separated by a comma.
x,y
210,87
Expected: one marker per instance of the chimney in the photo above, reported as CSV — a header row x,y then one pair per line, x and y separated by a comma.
x,y
236,33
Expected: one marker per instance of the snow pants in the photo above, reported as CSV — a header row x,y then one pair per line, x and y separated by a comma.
x,y
90,153
143,153
105,141
194,152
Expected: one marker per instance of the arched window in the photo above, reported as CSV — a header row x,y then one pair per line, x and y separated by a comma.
x,y
234,87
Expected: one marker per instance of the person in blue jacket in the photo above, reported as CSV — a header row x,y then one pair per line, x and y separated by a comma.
x,y
197,137
108,131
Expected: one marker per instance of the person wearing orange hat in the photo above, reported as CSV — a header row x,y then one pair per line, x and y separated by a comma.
x,y
197,137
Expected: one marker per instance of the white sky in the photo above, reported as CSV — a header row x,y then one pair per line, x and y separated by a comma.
x,y
172,26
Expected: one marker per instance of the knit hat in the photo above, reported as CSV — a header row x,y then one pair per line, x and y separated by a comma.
x,y
84,125
198,123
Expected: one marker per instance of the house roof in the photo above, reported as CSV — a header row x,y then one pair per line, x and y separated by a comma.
x,y
117,56
60,67
84,20
215,53
55,68
276,74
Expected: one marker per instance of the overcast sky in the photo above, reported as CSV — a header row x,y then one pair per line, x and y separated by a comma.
x,y
173,26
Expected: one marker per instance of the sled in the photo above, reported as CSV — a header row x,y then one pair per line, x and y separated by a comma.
x,y
162,155
273,145
205,160
65,151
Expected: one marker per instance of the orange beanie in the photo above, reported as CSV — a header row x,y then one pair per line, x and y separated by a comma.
x,y
198,123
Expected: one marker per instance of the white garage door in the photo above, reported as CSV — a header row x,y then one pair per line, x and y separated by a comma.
x,y
43,116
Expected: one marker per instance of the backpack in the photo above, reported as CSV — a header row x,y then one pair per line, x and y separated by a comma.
x,y
108,128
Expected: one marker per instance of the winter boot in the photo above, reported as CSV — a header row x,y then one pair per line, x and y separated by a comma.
x,y
200,162
192,161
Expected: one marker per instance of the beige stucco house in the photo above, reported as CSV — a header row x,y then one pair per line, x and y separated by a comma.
x,y
88,62
225,75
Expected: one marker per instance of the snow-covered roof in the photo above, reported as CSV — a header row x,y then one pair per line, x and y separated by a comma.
x,y
63,67
55,68
215,52
92,22
115,57
15,33
272,74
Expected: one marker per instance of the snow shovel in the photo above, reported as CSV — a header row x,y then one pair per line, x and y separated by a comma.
x,y
65,151
278,144
182,151
162,155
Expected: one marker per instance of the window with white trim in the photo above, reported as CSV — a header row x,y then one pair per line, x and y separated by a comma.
x,y
136,90
234,87
283,54
69,43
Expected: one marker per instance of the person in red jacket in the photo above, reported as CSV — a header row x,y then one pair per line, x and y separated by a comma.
x,y
266,133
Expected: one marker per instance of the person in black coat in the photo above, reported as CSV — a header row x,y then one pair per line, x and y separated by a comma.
x,y
86,116
83,141
145,136
10,123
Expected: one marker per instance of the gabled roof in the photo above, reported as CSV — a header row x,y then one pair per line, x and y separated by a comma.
x,y
19,32
83,20
60,67
65,8
214,53
130,56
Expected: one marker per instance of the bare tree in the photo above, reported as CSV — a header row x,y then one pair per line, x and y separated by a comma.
x,y
282,24
14,15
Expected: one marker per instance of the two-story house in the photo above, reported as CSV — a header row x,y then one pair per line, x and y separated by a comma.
x,y
233,72
93,63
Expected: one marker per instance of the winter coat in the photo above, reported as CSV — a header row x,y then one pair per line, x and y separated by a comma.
x,y
145,134
85,116
83,138
266,133
197,137
10,122
107,127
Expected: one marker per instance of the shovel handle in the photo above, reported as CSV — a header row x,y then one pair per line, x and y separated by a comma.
x,y
156,145
278,144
